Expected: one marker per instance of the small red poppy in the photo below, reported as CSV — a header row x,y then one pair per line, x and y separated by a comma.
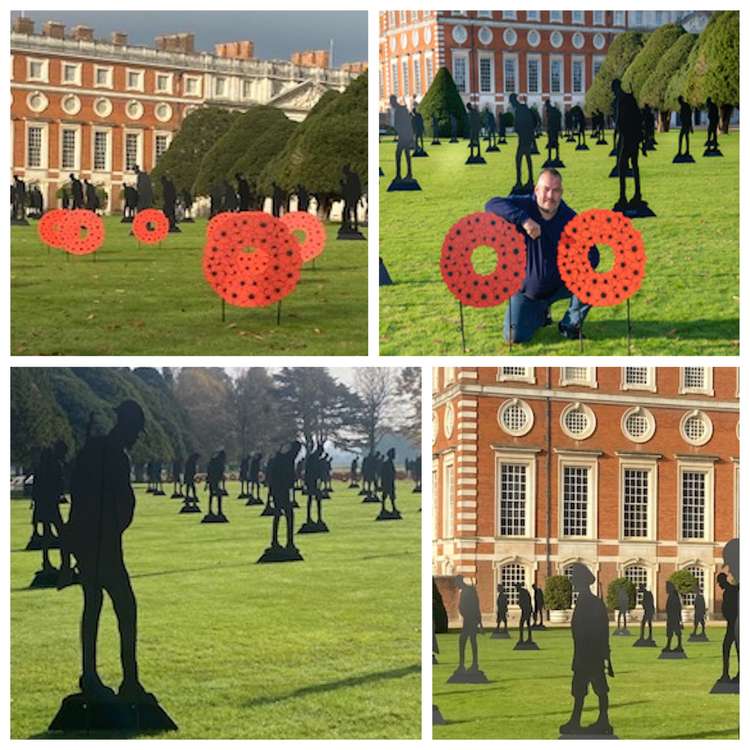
x,y
51,228
150,226
313,229
83,232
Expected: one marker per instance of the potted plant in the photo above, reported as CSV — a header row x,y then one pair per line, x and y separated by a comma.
x,y
685,582
613,589
558,595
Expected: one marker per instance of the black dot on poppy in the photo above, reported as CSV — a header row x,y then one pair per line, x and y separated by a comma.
x,y
289,275
505,290
475,282
275,268
492,222
458,231
484,296
450,273
515,251
251,296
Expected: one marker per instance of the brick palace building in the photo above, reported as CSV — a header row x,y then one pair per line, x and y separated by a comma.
x,y
633,471
96,108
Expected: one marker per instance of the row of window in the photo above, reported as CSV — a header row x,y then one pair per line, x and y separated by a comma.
x,y
38,102
577,485
598,18
101,148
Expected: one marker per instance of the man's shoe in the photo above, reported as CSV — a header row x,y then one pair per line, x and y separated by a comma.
x,y
570,333
548,320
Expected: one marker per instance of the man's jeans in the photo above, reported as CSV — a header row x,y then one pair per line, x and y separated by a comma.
x,y
527,315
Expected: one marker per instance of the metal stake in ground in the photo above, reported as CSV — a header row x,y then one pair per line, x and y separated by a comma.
x,y
580,337
463,334
223,311
278,313
627,301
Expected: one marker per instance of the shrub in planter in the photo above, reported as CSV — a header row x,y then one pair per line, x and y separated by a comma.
x,y
684,581
614,588
558,593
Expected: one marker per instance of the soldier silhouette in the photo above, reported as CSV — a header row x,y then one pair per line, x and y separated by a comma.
x,y
18,201
303,198
524,125
130,200
169,202
353,473
647,602
187,206
686,128
699,614
712,142
243,192
268,509
244,478
538,621
405,143
229,197
471,617
76,190
579,127
369,466
214,477
254,477
649,133
313,492
91,198
623,605
188,478
416,469
524,604
490,126
501,610
589,628
728,582
475,126
388,488
158,481
144,188
674,624
454,128
417,124
435,130
501,128
351,190
568,121
554,123
176,483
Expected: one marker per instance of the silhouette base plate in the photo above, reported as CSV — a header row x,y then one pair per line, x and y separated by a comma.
x,y
176,495
267,511
633,210
492,150
526,189
389,515
683,159
616,172
214,518
698,638
476,160
78,713
526,646
253,501
370,499
277,553
46,578
500,634
715,152
542,626
725,686
468,676
674,654
419,153
621,631
38,541
590,736
347,233
602,142
403,184
555,163
582,147
190,508
435,142
313,527
645,643
437,717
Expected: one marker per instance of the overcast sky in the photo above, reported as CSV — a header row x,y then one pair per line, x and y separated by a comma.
x,y
276,34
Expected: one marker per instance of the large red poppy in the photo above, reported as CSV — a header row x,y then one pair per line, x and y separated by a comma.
x,y
608,228
312,227
470,232
251,279
51,228
150,226
83,232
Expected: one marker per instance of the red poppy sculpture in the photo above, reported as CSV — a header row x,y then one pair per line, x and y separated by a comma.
x,y
251,259
607,228
79,232
468,286
51,228
150,226
312,228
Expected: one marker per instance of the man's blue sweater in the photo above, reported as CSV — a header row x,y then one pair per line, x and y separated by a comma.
x,y
542,277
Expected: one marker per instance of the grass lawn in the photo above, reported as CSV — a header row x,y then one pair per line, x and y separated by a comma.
x,y
528,696
152,300
325,648
688,304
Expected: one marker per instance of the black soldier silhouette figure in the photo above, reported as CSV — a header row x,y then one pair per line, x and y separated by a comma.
x,y
475,144
216,197
351,191
592,662
230,201
501,613
471,617
243,192
526,610
176,478
699,616
190,503
649,128
404,145
281,484
554,124
18,201
244,477
579,127
130,203
435,129
303,198
501,129
388,488
313,492
728,581
91,198
278,199
187,206
686,128
538,618
253,493
490,127
144,189
158,480
36,202
417,124
369,479
416,472
169,202
76,191
674,625
354,473
454,128
712,142
598,124
524,126
568,122
537,129
623,605
629,142
647,602
102,508
214,480
268,509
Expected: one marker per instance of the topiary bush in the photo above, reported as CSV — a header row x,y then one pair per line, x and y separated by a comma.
x,y
443,99
684,581
614,588
558,592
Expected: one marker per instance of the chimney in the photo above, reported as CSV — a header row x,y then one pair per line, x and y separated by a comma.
x,y
119,39
184,43
243,50
313,58
54,30
83,33
23,25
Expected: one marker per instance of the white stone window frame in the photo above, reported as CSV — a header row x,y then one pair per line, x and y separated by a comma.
x,y
510,37
77,150
512,58
139,107
166,133
461,54
510,15
528,411
72,99
581,59
591,463
533,15
141,77
561,60
537,58
589,382
459,34
44,101
578,406
109,70
108,159
483,55
697,464
529,376
708,584
108,105
170,111
168,89
416,75
436,379
449,421
139,155
43,77
198,86
484,14
529,568
578,17
449,375
599,17
43,148
435,495
650,465
555,16
448,504
485,36
708,384
435,426
652,570
642,410
619,18
77,73
528,460
406,81
429,68
706,421
649,385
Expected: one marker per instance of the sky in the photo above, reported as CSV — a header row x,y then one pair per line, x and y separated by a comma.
x,y
276,34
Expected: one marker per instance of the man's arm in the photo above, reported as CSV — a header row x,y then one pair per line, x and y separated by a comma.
x,y
516,209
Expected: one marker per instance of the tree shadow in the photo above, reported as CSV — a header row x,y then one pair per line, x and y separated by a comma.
x,y
707,734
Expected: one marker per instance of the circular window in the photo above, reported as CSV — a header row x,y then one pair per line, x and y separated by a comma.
x,y
556,39
577,421
134,109
578,40
393,44
638,424
37,101
415,38
510,37
163,112
71,104
696,428
427,33
435,426
103,107
533,38
459,34
515,417
485,36
448,420
599,41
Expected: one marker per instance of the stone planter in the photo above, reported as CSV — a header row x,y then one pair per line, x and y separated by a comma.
x,y
559,616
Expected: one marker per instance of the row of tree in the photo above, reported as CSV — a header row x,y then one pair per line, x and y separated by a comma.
x,y
203,409
215,144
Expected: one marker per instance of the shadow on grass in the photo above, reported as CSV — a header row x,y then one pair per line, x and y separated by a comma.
x,y
95,735
708,734
325,687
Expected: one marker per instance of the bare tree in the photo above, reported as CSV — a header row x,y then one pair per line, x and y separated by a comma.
x,y
374,386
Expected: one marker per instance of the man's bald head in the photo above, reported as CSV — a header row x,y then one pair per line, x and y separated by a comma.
x,y
548,192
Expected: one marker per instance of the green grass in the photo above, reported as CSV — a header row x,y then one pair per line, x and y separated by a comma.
x,y
528,696
155,300
688,304
325,648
